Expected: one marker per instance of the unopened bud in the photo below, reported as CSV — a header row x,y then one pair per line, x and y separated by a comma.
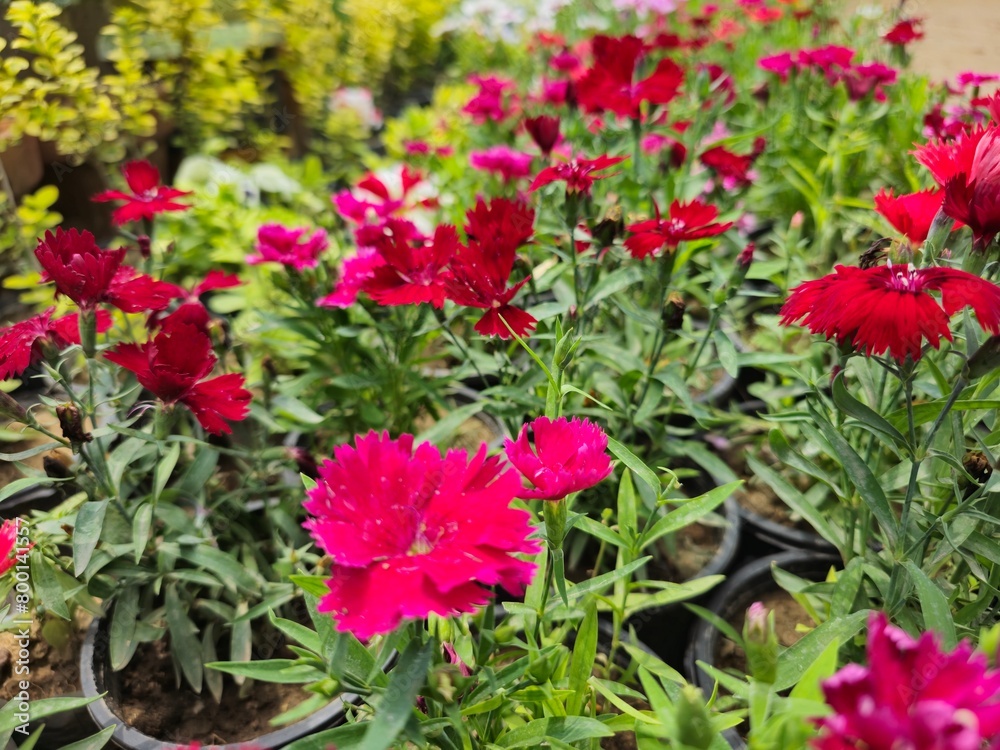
x,y
565,349
55,468
938,234
71,422
11,409
304,461
672,314
145,246
745,258
798,219
761,643
610,227
694,724
978,465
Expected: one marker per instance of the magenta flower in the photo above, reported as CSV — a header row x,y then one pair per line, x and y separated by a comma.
x,y
278,244
488,103
912,695
411,532
569,455
354,274
148,197
503,161
373,199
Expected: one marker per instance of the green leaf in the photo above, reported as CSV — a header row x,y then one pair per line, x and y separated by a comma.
x,y
94,742
184,645
28,453
633,462
726,350
567,729
691,511
628,520
808,688
40,709
670,593
795,500
845,591
283,671
599,530
24,483
397,703
862,478
593,585
164,468
614,282
228,570
302,635
142,524
794,661
446,426
198,472
121,457
315,585
122,632
933,605
866,416
87,533
45,582
582,662
347,736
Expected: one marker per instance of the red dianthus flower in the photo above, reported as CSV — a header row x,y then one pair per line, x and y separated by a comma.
x,y
608,84
21,344
911,215
411,532
148,196
89,276
889,308
174,365
684,222
577,173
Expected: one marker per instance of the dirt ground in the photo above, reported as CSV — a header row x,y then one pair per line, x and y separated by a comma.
x,y
959,35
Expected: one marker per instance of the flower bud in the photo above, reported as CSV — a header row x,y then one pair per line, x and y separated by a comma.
x,y
71,423
978,465
565,349
11,409
761,643
609,228
672,315
145,246
694,725
304,461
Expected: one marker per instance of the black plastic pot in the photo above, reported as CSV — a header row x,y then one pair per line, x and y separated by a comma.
x,y
33,498
665,629
763,536
743,588
98,677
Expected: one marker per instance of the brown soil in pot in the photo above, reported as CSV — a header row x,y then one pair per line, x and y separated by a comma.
x,y
686,553
54,671
788,613
153,704
760,500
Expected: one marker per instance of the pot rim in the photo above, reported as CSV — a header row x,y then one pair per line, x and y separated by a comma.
x,y
130,738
